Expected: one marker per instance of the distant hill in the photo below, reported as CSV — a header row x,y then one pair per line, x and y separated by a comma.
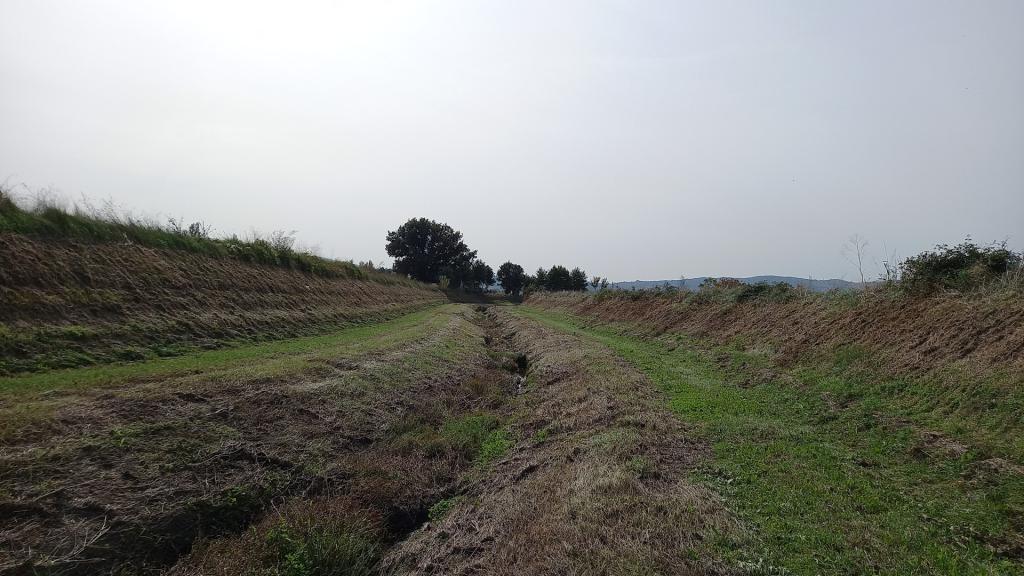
x,y
694,283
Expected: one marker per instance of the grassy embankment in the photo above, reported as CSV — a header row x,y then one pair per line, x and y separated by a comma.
x,y
80,289
52,220
291,356
838,469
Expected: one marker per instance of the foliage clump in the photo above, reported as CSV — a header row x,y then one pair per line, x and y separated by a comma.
x,y
558,279
435,252
512,278
962,267
341,546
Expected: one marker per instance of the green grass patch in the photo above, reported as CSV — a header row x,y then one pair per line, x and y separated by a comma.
x,y
828,469
441,508
467,433
494,446
477,437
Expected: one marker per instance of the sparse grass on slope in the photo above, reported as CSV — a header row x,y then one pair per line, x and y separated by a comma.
x,y
839,473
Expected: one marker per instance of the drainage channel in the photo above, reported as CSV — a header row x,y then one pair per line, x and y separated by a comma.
x,y
392,487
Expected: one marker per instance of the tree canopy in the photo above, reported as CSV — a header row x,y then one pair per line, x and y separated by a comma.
x,y
558,278
426,250
482,275
512,278
434,252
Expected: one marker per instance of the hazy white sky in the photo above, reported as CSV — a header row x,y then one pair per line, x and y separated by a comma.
x,y
638,139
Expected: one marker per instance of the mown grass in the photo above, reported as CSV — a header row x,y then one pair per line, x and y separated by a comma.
x,y
61,347
30,398
828,466
268,359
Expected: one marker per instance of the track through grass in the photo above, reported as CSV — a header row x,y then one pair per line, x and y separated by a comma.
x,y
827,490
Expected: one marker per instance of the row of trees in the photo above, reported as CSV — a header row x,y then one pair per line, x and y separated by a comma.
x,y
559,278
514,280
434,252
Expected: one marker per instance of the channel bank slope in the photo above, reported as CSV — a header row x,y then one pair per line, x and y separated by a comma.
x,y
67,303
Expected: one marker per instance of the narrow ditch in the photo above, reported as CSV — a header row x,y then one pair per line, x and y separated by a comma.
x,y
411,475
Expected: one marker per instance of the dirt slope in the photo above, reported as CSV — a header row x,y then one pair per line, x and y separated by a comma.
x,y
64,303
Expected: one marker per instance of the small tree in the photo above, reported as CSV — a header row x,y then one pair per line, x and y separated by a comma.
x,y
540,279
512,278
853,251
483,275
578,280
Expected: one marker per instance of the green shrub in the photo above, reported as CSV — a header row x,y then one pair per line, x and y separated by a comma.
x,y
778,292
962,267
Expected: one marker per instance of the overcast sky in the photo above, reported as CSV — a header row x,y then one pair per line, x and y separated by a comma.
x,y
635,139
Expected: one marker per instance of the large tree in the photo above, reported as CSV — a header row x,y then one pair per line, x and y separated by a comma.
x,y
425,250
512,278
